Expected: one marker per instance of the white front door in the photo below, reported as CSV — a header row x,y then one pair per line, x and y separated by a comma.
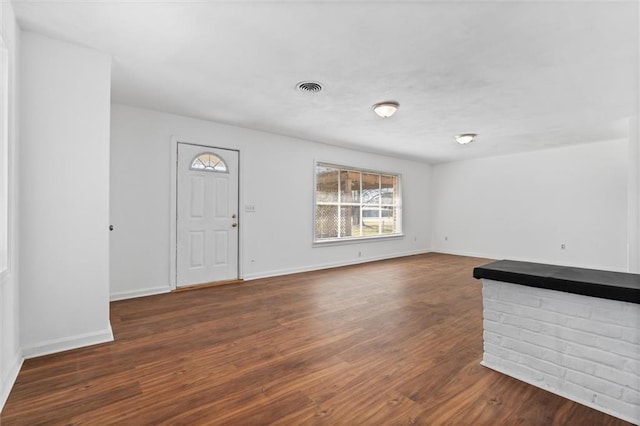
x,y
207,221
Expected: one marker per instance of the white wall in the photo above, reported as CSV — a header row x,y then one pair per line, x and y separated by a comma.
x,y
633,194
276,176
64,195
524,206
10,357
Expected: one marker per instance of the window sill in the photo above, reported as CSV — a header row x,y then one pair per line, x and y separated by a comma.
x,y
355,240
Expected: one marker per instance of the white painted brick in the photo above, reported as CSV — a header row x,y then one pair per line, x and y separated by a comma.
x,y
568,361
545,316
508,308
600,328
490,360
632,397
620,315
491,337
502,329
527,323
553,383
543,340
509,295
558,358
593,383
596,355
575,336
491,315
617,375
524,290
631,335
579,364
519,370
561,295
579,392
501,352
499,306
495,285
618,407
631,366
618,346
488,324
566,307
609,304
492,326
523,347
632,310
542,366
578,346
489,289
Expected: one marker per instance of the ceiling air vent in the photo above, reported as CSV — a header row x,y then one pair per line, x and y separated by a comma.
x,y
309,87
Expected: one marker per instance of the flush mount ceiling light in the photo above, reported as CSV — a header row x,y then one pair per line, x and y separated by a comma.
x,y
465,138
386,109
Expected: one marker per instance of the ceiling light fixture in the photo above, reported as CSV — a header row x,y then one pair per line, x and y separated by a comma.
x,y
386,109
465,138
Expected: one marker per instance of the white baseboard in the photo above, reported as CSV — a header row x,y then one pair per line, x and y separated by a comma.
x,y
562,394
131,294
466,253
308,268
68,343
10,379
493,256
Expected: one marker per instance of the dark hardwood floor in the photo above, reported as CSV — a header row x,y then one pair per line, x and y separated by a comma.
x,y
391,342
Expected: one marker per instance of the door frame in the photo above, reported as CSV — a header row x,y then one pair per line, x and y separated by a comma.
x,y
173,222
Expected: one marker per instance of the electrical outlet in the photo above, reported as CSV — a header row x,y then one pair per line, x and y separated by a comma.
x,y
359,254
563,246
249,208
446,238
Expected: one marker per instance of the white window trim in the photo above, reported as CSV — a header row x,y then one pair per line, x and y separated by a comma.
x,y
353,240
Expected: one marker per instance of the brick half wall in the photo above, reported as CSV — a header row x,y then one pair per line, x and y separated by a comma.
x,y
583,348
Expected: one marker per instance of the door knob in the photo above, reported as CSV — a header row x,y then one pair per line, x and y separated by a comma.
x,y
233,216
234,224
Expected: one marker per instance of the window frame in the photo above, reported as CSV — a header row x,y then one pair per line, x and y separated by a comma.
x,y
357,239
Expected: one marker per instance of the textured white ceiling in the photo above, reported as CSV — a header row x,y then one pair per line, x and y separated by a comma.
x,y
524,75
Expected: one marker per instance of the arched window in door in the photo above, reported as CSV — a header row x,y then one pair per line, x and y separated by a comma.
x,y
209,162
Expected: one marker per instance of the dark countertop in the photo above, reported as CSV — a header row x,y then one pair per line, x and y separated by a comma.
x,y
589,282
